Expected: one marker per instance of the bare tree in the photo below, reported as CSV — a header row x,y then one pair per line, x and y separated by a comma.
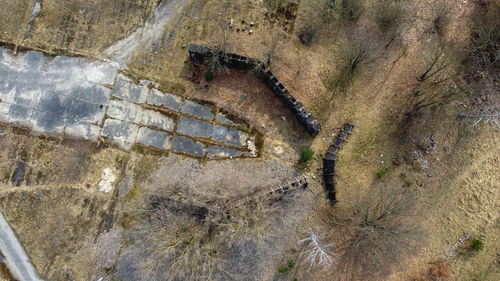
x,y
317,252
485,109
373,235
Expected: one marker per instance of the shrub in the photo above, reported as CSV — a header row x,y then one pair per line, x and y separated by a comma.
x,y
477,245
283,269
209,75
485,39
307,154
382,173
388,16
442,21
291,264
351,10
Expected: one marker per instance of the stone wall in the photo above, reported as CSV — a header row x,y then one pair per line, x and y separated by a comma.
x,y
197,54
330,160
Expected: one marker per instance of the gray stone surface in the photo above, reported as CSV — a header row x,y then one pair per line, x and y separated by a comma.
x,y
158,120
168,101
47,122
33,60
120,132
125,111
198,110
84,112
15,114
220,133
221,118
75,97
154,138
188,146
85,131
236,138
215,151
194,127
96,94
127,90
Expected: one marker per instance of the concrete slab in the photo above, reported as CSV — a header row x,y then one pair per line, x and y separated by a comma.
x,y
15,114
81,111
221,118
82,131
168,101
54,102
215,151
198,110
194,127
220,133
47,122
120,133
33,60
188,146
125,89
102,73
153,138
236,138
158,120
95,94
125,111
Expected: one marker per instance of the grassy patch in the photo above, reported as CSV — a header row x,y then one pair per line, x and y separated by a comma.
x,y
307,154
382,174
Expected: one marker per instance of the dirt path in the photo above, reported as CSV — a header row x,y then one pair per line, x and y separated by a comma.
x,y
122,50
17,259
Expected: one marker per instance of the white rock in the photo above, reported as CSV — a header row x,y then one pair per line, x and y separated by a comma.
x,y
107,180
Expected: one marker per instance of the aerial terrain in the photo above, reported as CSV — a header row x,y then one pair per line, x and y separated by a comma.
x,y
250,140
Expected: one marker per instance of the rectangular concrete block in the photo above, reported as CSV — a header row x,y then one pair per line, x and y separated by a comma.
x,y
158,120
125,89
215,151
194,127
82,131
84,112
188,146
153,138
236,138
198,110
126,111
103,73
120,133
95,94
168,101
47,122
15,114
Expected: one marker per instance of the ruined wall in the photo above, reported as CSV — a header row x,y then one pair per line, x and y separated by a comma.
x,y
197,53
330,160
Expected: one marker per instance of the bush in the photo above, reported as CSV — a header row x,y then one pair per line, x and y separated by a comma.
x,y
388,16
209,75
477,245
307,154
382,174
442,21
283,269
351,10
485,39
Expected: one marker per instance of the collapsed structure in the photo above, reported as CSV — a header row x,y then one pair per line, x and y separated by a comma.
x,y
198,53
330,160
